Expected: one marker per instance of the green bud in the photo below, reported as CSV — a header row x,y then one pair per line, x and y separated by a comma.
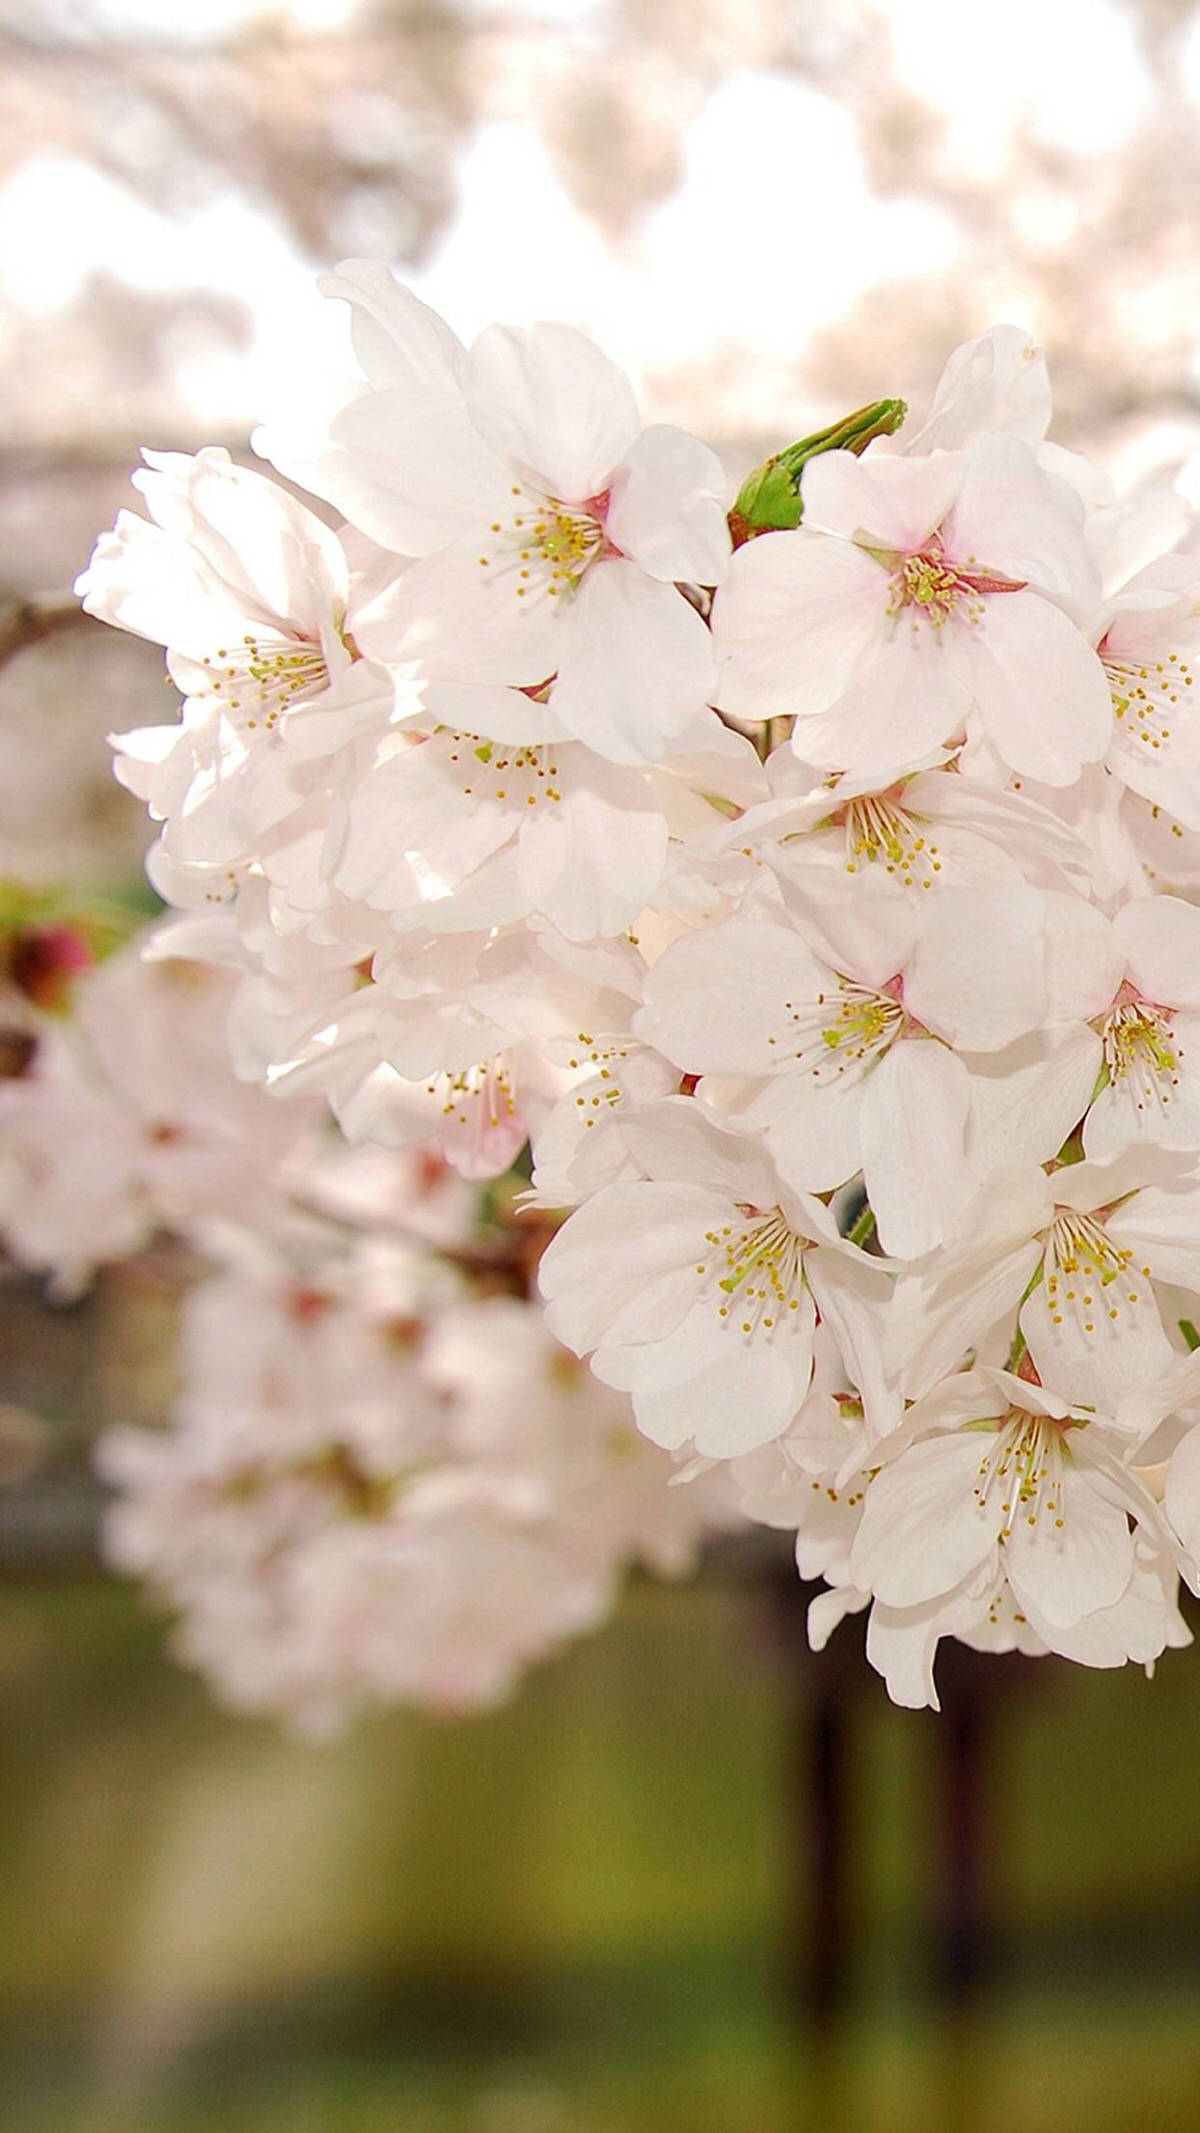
x,y
770,500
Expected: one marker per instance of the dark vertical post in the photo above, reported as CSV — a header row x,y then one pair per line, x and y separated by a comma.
x,y
816,1835
962,1951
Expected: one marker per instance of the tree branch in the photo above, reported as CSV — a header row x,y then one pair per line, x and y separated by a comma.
x,y
31,621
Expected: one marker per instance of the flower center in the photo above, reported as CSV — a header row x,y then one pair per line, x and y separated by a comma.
x,y
878,831
928,583
1139,1047
546,546
257,681
1086,1273
1021,1476
476,1096
1144,698
756,1270
839,1034
498,772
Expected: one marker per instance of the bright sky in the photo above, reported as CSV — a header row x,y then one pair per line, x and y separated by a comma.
x,y
764,250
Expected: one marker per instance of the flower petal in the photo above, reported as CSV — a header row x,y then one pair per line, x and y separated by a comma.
x,y
550,401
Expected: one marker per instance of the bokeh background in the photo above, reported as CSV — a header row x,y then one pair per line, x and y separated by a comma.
x,y
690,1879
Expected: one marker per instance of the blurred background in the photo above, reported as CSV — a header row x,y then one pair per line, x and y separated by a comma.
x,y
690,1878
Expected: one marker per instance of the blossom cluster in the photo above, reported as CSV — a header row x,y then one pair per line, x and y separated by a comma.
x,y
383,1479
813,885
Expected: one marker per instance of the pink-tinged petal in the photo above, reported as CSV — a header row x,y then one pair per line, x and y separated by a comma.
x,y
1159,1109
666,512
1144,1622
902,1646
795,614
1160,936
922,1532
410,836
1167,775
1011,516
463,622
407,467
903,701
550,401
1097,1353
623,1268
864,932
274,560
709,1384
1027,1099
1084,962
491,711
1041,693
853,1296
636,666
885,503
398,340
718,1002
976,974
913,1129
998,382
593,863
1161,1226
939,1319
1181,1496
812,1132
1069,1571
676,1139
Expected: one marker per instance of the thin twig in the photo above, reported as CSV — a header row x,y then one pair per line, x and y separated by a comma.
x,y
31,621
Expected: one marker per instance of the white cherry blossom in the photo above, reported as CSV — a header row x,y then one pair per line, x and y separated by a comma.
x,y
696,1287
551,529
922,598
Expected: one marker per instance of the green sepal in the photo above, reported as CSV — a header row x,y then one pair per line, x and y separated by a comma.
x,y
769,500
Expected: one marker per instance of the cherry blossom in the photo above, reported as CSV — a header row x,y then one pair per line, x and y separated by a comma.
x,y
922,597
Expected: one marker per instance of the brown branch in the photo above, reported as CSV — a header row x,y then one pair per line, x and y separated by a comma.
x,y
31,621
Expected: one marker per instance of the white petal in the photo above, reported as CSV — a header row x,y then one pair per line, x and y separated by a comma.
x,y
791,621
1067,1572
666,511
1041,693
1012,516
710,1384
902,1646
677,1139
913,1126
718,1001
1160,1111
548,399
1161,1226
1088,1354
592,864
922,1532
1027,1099
398,340
623,1268
464,622
636,665
940,1317
882,503
812,1132
407,466
997,382
976,975
1181,1499
903,700
1161,939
